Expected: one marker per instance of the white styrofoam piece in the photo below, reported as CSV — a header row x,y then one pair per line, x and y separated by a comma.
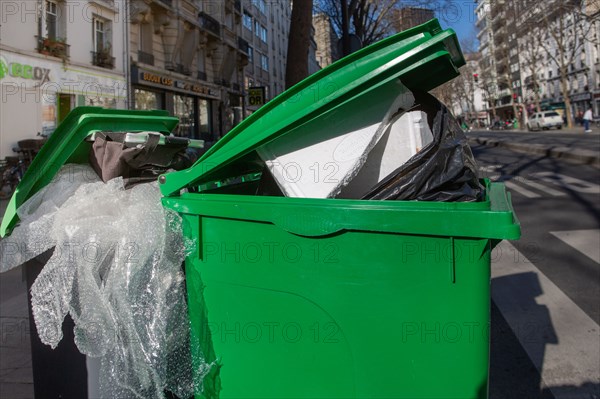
x,y
405,135
317,159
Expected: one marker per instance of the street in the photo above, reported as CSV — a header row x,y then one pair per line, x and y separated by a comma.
x,y
545,287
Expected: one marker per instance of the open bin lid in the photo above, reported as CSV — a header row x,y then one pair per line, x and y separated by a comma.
x,y
65,145
423,57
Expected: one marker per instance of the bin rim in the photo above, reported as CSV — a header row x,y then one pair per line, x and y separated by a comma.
x,y
412,52
492,218
62,144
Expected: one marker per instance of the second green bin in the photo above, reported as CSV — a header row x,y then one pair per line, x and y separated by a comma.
x,y
330,298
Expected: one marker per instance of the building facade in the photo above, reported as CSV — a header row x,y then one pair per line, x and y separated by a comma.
x,y
520,42
266,27
209,63
409,17
55,56
326,40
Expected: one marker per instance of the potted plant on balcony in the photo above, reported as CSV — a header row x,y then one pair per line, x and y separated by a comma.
x,y
104,56
56,47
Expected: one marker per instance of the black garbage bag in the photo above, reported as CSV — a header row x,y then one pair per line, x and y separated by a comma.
x,y
444,170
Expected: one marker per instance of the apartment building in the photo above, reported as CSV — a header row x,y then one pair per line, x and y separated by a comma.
x,y
326,40
266,28
54,56
519,53
409,17
188,57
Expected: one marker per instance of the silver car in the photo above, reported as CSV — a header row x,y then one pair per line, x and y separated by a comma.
x,y
545,120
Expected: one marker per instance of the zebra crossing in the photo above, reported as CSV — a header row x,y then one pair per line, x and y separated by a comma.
x,y
540,184
561,340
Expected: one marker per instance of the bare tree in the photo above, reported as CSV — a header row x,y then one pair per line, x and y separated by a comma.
x,y
299,42
565,28
369,20
531,51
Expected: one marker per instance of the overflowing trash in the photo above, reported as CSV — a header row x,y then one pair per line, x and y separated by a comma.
x,y
116,269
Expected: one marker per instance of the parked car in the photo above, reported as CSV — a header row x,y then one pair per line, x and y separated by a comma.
x,y
545,120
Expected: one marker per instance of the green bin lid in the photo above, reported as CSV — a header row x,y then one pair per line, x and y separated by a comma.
x,y
423,57
64,145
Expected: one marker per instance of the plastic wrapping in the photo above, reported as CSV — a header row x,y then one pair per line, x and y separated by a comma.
x,y
444,170
116,269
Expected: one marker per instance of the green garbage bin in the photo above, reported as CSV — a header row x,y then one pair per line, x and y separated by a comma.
x,y
331,298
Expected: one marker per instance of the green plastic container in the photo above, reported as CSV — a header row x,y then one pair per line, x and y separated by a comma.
x,y
328,298
68,145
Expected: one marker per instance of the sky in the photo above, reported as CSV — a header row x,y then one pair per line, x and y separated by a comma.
x,y
458,15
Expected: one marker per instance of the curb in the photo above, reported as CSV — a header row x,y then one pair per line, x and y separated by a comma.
x,y
577,155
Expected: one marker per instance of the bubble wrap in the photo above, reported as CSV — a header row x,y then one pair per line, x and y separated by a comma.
x,y
116,269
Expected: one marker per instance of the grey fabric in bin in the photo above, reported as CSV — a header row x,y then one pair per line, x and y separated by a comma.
x,y
111,157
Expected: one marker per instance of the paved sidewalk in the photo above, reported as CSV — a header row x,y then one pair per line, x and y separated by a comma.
x,y
16,377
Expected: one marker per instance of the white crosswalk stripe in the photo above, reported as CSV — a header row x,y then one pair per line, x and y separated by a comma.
x,y
521,190
585,241
561,340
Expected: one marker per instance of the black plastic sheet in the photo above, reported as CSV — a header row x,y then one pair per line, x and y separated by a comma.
x,y
444,170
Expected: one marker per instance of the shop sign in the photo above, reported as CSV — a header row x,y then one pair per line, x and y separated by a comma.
x,y
581,97
164,81
24,76
256,95
160,80
23,71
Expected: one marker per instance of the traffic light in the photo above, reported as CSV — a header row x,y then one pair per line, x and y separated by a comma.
x,y
476,77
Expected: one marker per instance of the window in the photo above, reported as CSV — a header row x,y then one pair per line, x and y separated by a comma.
x,y
247,21
250,54
51,20
99,35
183,108
263,34
264,62
260,4
257,28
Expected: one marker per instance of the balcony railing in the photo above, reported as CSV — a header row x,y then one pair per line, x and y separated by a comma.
x,y
53,47
182,69
103,59
222,82
209,23
145,58
243,45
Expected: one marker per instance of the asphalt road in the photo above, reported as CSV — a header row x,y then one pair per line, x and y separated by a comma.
x,y
587,141
546,287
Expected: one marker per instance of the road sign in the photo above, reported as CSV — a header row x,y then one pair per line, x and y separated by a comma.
x,y
256,96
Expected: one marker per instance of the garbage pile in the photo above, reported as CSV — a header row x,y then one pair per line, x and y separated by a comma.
x,y
116,269
393,144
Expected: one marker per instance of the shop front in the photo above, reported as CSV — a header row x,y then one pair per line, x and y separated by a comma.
x,y
194,103
38,93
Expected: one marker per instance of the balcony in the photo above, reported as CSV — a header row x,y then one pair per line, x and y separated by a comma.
x,y
222,82
54,47
243,46
103,59
202,75
180,68
145,58
209,23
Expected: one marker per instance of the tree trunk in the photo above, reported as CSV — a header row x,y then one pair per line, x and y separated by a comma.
x,y
299,42
565,93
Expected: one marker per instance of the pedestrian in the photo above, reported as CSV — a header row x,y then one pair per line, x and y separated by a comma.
x,y
587,120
